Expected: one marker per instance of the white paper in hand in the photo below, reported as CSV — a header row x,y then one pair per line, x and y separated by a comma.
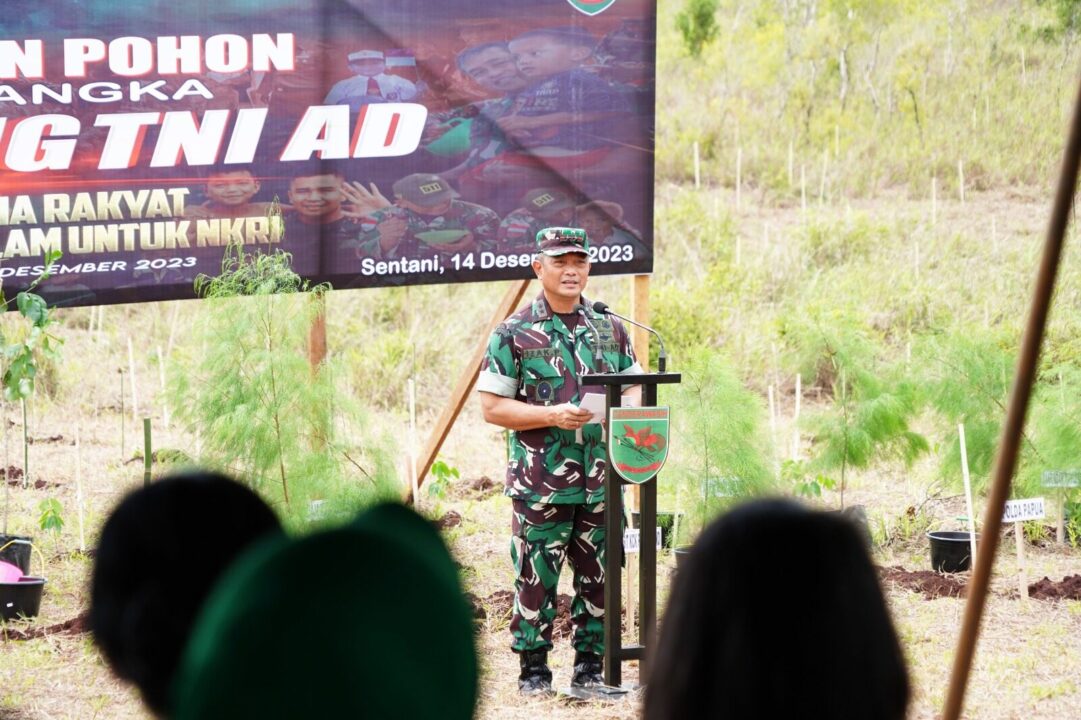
x,y
594,402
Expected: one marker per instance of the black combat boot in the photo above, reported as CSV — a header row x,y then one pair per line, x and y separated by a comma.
x,y
588,670
535,677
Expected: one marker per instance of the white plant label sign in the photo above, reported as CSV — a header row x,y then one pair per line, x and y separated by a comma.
x,y
1024,510
632,540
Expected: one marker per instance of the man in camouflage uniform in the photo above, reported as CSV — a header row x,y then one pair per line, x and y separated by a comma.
x,y
528,384
541,208
425,202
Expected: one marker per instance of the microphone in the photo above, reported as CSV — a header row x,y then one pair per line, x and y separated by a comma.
x,y
662,357
598,357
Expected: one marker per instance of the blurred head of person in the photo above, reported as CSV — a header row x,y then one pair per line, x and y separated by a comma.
x,y
161,551
367,620
368,63
778,613
230,187
492,66
316,195
541,54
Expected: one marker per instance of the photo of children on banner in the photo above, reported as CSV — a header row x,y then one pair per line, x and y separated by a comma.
x,y
370,83
426,217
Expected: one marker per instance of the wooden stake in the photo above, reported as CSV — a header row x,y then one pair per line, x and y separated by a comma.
x,y
317,334
791,164
697,168
772,412
739,247
172,327
1060,526
739,178
836,141
164,393
803,187
961,180
795,417
134,388
79,497
822,181
123,416
934,200
148,452
1010,440
466,381
968,492
1022,584
411,394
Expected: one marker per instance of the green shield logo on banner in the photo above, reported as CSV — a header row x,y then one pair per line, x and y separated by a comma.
x,y
638,442
591,7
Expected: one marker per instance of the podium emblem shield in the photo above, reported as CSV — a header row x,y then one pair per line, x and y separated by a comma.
x,y
638,442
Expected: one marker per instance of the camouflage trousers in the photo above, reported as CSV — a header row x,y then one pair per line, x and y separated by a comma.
x,y
542,536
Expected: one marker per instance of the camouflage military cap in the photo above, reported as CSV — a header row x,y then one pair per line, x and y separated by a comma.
x,y
424,189
562,240
543,202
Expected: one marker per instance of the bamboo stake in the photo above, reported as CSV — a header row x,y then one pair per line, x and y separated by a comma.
x,y
803,187
1009,446
795,417
968,492
411,394
164,397
822,180
123,454
961,180
7,466
697,168
26,449
934,200
79,498
1022,583
134,388
739,248
791,163
772,412
739,178
172,328
148,453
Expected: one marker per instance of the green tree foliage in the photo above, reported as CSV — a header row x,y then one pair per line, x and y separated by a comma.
x,y
245,387
874,402
719,444
697,22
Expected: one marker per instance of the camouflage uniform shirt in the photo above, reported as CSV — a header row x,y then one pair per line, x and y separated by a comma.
x,y
532,357
462,215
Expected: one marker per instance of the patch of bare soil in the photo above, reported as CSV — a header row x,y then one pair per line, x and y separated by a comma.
x,y
930,584
450,519
1047,589
74,626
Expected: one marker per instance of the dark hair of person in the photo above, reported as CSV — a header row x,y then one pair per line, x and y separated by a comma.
x,y
473,51
315,169
161,551
567,36
219,170
777,613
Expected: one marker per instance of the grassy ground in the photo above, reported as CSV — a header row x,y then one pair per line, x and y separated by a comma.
x,y
1028,659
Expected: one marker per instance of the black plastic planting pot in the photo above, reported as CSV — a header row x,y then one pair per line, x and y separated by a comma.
x,y
951,551
21,599
17,551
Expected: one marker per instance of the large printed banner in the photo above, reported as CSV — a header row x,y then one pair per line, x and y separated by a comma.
x,y
380,142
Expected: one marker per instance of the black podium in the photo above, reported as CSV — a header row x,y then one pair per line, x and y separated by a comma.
x,y
614,652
